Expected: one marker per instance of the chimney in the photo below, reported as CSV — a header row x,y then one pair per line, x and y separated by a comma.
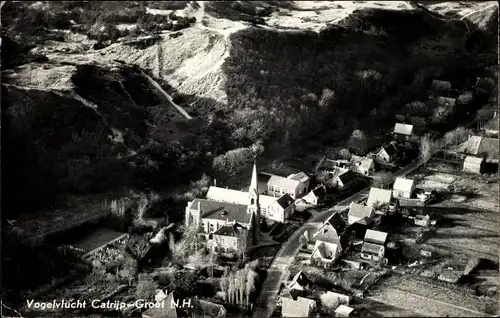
x,y
494,114
215,182
199,206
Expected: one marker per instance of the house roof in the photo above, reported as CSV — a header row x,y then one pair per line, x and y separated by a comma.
x,y
337,222
297,308
445,101
376,237
492,124
473,160
481,146
390,149
337,171
371,248
348,176
300,281
285,201
381,196
344,310
360,211
403,184
222,210
301,176
230,230
320,192
325,250
327,233
403,129
362,162
328,164
165,310
283,182
206,308
235,196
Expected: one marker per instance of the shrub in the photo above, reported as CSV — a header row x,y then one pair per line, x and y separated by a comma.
x,y
146,288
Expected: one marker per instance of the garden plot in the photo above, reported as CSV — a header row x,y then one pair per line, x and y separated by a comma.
x,y
437,181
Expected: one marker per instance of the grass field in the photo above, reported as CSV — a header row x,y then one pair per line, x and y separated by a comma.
x,y
428,300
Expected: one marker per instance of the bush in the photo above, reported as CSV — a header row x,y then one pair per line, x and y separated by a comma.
x,y
146,288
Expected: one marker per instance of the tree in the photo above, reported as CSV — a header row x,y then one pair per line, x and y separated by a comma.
x,y
302,240
358,141
427,148
129,269
233,161
384,179
345,153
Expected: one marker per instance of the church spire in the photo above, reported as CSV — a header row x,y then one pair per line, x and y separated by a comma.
x,y
254,184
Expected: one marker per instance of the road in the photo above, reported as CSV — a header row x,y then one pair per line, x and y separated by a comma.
x,y
277,271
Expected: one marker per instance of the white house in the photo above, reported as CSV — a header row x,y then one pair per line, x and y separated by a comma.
x,y
403,188
374,245
387,153
301,307
375,237
358,212
280,210
325,252
362,165
379,196
277,186
343,311
421,220
403,131
473,164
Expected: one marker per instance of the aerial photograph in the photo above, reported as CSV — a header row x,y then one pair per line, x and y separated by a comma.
x,y
165,159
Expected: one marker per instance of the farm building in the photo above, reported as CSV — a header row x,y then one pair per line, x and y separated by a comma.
x,y
362,165
358,212
484,147
473,164
379,196
301,307
422,220
403,188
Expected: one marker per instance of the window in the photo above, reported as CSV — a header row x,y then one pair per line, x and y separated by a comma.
x,y
211,227
218,226
252,202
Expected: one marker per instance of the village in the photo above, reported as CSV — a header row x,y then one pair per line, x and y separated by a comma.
x,y
409,229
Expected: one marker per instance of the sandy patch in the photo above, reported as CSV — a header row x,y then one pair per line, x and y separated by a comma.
x,y
427,184
441,177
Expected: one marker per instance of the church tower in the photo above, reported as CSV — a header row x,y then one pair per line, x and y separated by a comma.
x,y
253,204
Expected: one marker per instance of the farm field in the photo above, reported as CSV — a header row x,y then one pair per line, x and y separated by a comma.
x,y
430,300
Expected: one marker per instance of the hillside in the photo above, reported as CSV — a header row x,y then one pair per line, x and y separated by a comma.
x,y
84,119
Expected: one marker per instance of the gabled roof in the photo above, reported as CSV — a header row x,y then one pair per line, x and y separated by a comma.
x,y
301,307
481,146
230,230
380,196
362,162
373,249
348,176
300,281
325,250
320,192
327,233
403,184
375,237
165,310
222,210
285,201
390,149
235,196
403,129
360,211
283,182
337,171
473,160
337,222
301,176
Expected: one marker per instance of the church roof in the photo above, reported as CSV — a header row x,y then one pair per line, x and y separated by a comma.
x,y
235,196
230,230
222,210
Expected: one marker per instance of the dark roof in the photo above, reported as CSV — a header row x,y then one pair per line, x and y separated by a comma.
x,y
230,230
390,149
360,211
488,148
320,192
285,200
337,222
301,279
348,177
370,248
328,234
222,210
